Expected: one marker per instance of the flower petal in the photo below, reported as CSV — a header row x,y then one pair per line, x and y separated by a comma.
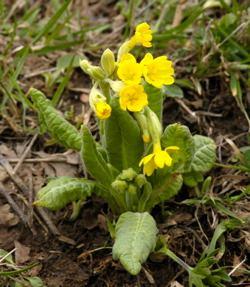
x,y
149,168
172,148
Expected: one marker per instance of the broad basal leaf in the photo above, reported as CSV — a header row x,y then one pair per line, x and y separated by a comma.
x,y
179,135
93,159
135,239
204,154
166,186
63,190
60,129
123,139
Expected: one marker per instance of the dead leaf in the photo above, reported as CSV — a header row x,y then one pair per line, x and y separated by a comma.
x,y
7,218
7,152
179,217
22,253
89,219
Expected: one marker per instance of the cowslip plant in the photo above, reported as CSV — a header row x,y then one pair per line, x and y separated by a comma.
x,y
136,164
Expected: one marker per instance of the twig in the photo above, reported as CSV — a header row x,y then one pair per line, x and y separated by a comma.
x,y
17,180
53,229
236,267
13,204
8,254
209,114
25,153
187,109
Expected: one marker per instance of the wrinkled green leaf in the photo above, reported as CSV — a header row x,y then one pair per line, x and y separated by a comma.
x,y
166,186
60,129
63,190
135,239
204,154
179,135
123,139
93,159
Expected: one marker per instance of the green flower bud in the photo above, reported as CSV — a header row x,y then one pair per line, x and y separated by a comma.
x,y
140,180
132,189
127,174
142,122
108,62
97,73
94,72
154,125
119,185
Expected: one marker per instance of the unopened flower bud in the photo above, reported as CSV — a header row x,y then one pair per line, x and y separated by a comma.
x,y
143,124
128,174
97,73
94,72
119,185
154,125
98,104
140,180
132,189
108,62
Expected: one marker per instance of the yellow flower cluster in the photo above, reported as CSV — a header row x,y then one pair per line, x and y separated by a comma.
x,y
157,72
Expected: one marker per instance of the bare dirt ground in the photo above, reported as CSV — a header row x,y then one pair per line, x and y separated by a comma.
x,y
78,253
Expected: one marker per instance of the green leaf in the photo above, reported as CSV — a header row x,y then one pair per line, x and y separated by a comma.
x,y
35,281
173,91
93,159
225,225
155,100
60,129
179,135
245,151
192,178
8,258
167,185
63,190
123,139
135,240
204,154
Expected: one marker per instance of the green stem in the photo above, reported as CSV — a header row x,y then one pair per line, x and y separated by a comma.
x,y
238,167
174,257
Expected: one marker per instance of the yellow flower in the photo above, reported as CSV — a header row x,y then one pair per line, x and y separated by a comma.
x,y
143,35
129,71
102,110
158,71
133,98
158,159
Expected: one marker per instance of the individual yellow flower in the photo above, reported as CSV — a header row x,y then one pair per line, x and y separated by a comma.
x,y
158,71
133,98
158,159
102,110
129,71
143,35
